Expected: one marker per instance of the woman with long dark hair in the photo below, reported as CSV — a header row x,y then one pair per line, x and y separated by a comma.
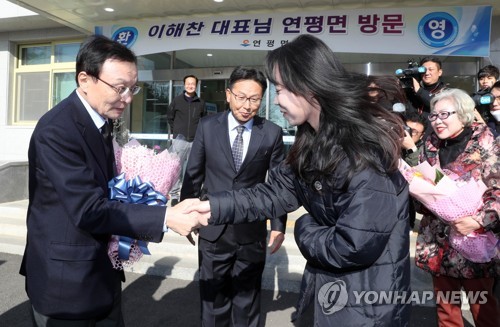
x,y
343,169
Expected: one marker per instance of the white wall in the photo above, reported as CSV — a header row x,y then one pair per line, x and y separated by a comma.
x,y
14,140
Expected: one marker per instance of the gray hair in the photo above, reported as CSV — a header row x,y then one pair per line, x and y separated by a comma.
x,y
464,105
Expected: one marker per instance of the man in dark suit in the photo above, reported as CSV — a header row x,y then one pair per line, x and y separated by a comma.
x,y
234,150
70,280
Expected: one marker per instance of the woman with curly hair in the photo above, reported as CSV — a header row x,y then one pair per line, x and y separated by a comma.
x,y
464,150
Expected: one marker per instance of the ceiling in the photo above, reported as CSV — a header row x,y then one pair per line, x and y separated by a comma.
x,y
83,15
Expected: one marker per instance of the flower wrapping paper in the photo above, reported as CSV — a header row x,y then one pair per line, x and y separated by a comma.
x,y
450,200
145,176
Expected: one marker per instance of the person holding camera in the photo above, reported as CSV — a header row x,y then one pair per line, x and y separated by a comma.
x,y
415,126
494,117
429,86
487,76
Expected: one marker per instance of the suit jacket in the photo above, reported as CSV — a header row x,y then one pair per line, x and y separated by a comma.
x,y
210,168
70,219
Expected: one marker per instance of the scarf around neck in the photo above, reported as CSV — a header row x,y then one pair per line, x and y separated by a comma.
x,y
450,149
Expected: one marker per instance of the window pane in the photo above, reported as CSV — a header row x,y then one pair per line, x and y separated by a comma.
x,y
64,84
157,100
33,89
66,52
36,55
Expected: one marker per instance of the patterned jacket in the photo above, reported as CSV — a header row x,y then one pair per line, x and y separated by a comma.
x,y
479,160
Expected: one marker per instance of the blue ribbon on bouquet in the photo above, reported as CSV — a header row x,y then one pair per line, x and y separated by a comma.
x,y
133,191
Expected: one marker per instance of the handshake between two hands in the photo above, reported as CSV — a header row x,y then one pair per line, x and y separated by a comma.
x,y
188,216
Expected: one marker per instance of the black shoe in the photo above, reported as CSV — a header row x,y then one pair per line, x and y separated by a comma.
x,y
174,202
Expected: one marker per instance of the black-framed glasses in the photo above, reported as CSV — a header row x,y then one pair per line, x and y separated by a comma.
x,y
442,115
123,90
414,132
242,99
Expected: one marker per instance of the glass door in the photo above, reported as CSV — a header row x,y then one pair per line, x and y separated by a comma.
x,y
214,93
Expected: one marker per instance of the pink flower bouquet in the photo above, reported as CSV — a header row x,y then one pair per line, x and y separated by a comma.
x,y
146,176
450,200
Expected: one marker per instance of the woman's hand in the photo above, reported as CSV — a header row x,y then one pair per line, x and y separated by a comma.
x,y
465,225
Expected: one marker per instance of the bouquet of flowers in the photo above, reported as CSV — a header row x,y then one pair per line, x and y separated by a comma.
x,y
450,200
146,176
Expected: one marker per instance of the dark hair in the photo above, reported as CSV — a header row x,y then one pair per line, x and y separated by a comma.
x,y
415,117
487,71
190,76
248,73
431,59
351,127
389,89
96,50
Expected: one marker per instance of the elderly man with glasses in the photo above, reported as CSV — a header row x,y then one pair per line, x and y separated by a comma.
x,y
70,279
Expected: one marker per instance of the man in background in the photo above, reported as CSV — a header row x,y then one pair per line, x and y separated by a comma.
x,y
415,126
234,150
487,76
494,119
184,114
430,85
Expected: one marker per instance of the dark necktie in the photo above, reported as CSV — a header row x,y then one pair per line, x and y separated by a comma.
x,y
106,131
107,134
237,148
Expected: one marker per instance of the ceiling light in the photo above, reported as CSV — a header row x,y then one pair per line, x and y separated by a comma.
x,y
109,9
209,55
218,0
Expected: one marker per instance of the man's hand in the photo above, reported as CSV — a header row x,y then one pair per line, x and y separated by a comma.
x,y
275,240
182,219
416,85
203,208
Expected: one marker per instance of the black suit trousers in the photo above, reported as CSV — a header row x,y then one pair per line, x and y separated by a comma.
x,y
230,280
113,319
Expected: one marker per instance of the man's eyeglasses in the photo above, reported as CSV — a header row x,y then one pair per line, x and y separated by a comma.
x,y
242,99
123,90
442,115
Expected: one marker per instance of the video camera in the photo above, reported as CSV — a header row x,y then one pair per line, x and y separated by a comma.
x,y
406,75
483,99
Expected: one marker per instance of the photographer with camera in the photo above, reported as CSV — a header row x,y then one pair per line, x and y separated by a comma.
x,y
414,126
487,76
494,119
430,83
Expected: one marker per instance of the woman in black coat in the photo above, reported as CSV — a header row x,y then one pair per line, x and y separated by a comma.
x,y
343,169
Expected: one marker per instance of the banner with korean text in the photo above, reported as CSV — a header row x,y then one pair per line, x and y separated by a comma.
x,y
452,31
